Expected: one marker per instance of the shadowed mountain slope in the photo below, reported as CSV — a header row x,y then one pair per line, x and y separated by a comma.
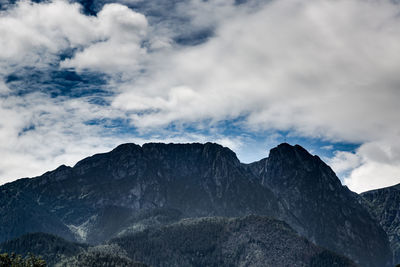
x,y
196,179
384,206
135,187
321,208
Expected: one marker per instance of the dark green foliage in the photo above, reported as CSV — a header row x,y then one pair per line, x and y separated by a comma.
x,y
328,259
217,241
211,241
102,256
51,248
14,260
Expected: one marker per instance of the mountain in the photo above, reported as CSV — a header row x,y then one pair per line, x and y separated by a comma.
x,y
217,241
136,187
195,179
322,209
384,206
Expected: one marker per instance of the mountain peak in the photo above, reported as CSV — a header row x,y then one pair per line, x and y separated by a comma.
x,y
319,206
287,150
293,166
126,147
195,180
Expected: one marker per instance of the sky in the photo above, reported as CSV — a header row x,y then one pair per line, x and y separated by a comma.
x,y
79,78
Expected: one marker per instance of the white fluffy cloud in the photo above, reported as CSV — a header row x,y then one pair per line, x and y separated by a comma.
x,y
317,68
373,165
38,132
322,69
344,161
121,32
373,175
34,34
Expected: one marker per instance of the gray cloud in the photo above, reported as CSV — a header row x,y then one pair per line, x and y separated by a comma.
x,y
319,69
323,69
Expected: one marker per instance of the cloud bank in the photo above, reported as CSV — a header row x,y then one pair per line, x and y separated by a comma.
x,y
325,70
321,69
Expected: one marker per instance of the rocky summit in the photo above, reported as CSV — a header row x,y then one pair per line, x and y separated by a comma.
x,y
320,207
133,189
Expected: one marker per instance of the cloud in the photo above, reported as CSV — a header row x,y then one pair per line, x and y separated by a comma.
x,y
320,69
327,147
120,34
317,69
58,133
40,130
373,165
373,175
344,162
3,88
35,35
315,66
40,133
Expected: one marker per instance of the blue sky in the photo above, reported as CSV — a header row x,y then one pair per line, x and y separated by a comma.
x,y
78,78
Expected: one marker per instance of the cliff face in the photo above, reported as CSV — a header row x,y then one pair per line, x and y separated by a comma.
x,y
320,207
384,204
134,187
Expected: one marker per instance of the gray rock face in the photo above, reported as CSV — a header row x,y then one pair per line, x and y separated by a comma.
x,y
320,207
134,187
384,205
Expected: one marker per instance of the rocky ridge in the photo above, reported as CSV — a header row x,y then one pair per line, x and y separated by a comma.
x,y
320,207
133,187
384,205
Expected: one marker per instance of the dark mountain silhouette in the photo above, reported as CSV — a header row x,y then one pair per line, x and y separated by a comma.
x,y
322,209
384,204
136,187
